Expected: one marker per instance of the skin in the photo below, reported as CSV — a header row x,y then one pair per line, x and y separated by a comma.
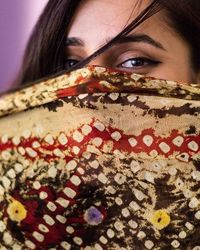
x,y
154,49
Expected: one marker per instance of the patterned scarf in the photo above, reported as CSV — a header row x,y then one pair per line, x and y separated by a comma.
x,y
100,159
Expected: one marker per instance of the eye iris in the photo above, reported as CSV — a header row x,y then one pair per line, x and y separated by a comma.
x,y
70,63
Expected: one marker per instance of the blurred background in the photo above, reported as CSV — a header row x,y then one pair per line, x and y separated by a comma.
x,y
17,18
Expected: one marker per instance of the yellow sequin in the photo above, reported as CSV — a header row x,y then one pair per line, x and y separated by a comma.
x,y
16,211
160,219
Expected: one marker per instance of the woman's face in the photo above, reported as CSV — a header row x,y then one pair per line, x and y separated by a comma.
x,y
153,48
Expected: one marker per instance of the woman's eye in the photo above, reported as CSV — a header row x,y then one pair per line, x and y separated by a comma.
x,y
137,62
70,63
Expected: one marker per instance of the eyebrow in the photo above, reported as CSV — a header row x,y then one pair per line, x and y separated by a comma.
x,y
136,38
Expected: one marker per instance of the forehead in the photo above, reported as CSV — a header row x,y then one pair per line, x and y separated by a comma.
x,y
97,21
106,16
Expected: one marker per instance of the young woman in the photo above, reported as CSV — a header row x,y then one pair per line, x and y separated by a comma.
x,y
111,170
159,38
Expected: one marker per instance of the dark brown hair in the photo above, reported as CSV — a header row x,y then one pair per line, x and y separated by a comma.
x,y
44,55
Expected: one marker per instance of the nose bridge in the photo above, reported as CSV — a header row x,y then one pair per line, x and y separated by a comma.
x,y
99,60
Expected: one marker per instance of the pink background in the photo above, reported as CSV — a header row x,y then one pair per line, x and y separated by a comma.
x,y
17,18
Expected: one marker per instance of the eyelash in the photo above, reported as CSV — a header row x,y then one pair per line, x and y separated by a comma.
x,y
146,62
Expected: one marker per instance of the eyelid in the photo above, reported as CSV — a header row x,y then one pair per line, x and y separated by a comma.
x,y
127,55
75,53
73,57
